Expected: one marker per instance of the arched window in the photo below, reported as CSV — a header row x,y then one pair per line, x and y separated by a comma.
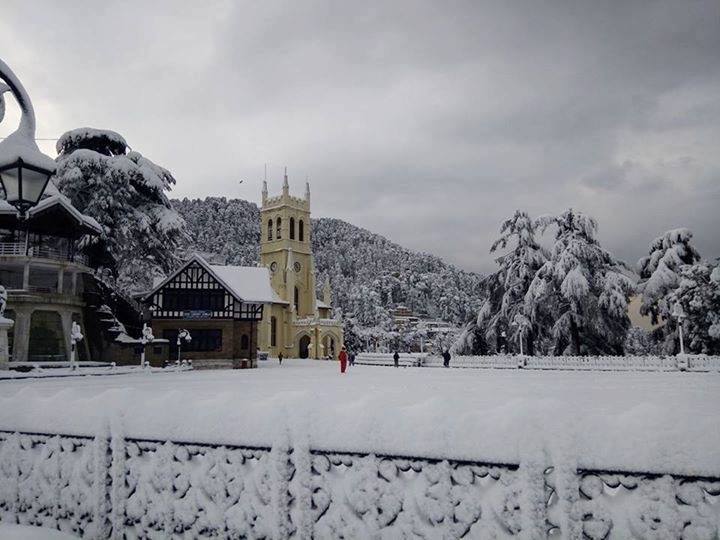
x,y
273,332
301,231
244,342
292,228
297,300
269,229
278,231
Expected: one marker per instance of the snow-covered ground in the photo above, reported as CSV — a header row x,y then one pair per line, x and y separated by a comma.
x,y
654,422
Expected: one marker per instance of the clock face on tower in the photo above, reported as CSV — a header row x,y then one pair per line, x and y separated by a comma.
x,y
297,267
273,267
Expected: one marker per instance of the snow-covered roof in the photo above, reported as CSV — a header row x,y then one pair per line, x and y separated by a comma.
x,y
249,283
55,199
63,201
245,283
323,305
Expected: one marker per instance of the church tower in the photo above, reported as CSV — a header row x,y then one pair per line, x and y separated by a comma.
x,y
296,323
285,248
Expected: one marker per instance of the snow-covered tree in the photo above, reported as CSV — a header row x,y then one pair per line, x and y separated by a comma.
x,y
698,297
126,193
660,271
504,308
582,288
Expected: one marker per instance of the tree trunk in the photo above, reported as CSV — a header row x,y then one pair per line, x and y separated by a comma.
x,y
575,336
530,342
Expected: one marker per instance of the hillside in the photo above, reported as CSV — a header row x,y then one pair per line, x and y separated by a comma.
x,y
368,273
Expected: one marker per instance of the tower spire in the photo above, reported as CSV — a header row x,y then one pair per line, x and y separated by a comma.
x,y
307,189
286,185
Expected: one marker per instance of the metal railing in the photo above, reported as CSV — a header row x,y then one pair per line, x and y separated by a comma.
x,y
17,249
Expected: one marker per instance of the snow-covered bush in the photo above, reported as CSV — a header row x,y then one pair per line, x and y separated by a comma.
x,y
126,193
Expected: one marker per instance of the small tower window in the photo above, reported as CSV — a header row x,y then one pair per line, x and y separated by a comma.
x,y
301,231
297,300
292,228
273,331
244,342
278,230
270,229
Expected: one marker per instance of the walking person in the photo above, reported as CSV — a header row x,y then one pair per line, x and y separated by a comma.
x,y
343,357
446,358
396,359
352,358
280,358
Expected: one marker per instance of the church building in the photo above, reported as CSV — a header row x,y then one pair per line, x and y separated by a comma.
x,y
299,324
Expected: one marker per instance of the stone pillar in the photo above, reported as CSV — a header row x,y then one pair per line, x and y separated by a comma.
x,y
66,319
61,276
5,325
21,340
74,283
26,276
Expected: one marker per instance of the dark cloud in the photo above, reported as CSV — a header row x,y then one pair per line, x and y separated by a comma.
x,y
428,122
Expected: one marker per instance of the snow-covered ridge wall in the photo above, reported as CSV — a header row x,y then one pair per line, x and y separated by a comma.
x,y
112,487
697,363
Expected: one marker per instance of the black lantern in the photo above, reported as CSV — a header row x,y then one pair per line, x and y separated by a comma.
x,y
24,183
24,169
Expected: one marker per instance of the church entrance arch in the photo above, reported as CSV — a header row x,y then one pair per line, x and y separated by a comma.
x,y
304,346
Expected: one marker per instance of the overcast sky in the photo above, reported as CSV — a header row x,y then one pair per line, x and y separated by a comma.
x,y
427,122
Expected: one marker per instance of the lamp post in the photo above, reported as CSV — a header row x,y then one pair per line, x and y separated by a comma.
x,y
24,170
147,337
75,337
183,335
679,314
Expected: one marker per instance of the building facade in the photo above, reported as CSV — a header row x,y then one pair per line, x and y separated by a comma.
x,y
220,306
297,324
43,271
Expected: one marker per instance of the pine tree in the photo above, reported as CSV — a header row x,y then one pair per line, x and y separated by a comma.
x,y
504,309
126,193
659,271
582,288
698,298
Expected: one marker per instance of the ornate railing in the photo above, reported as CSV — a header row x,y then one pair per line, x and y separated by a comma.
x,y
109,486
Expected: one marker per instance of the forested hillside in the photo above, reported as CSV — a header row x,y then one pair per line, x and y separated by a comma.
x,y
368,273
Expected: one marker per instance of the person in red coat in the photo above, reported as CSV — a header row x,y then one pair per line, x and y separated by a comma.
x,y
343,357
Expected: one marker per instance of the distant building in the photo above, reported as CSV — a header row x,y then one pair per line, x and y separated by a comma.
x,y
43,270
298,324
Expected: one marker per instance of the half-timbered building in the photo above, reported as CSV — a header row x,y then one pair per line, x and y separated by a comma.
x,y
221,307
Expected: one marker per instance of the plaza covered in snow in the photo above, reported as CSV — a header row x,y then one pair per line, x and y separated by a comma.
x,y
642,422
299,450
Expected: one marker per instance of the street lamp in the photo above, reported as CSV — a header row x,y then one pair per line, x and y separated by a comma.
x,y
679,314
24,170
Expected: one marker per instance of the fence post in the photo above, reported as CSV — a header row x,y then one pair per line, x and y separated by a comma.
x,y
281,471
102,484
117,483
